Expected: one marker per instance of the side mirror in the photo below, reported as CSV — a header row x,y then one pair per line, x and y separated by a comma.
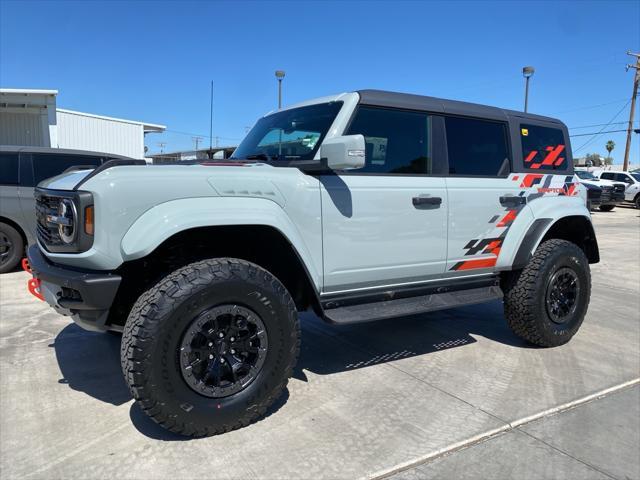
x,y
344,153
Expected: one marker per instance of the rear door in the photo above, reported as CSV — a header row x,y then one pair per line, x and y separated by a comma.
x,y
385,224
483,199
9,187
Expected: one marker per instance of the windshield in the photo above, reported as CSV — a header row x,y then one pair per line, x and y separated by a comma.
x,y
293,134
636,176
586,175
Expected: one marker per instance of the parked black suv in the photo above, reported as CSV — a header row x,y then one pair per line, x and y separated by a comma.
x,y
22,168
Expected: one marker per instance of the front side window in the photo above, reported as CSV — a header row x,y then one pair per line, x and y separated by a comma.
x,y
397,142
8,168
477,147
47,165
290,135
543,148
621,177
584,175
607,176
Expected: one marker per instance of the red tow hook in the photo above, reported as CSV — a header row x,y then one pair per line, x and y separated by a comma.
x,y
33,285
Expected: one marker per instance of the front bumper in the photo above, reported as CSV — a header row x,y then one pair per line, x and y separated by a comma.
x,y
86,296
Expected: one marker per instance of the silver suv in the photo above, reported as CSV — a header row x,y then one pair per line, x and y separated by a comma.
x,y
20,169
360,206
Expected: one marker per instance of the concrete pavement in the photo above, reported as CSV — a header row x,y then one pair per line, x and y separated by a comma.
x,y
365,401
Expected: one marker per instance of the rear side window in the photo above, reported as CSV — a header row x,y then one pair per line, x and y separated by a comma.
x,y
477,147
397,141
8,168
543,148
46,165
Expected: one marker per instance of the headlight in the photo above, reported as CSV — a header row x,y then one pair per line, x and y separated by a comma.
x,y
67,220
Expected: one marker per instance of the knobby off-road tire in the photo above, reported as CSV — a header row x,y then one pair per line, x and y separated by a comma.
x,y
154,336
531,299
11,248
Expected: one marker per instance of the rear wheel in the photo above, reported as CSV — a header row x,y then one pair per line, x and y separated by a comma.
x,y
607,208
546,302
637,201
11,248
210,347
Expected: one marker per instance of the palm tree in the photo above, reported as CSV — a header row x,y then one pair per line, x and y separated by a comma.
x,y
610,146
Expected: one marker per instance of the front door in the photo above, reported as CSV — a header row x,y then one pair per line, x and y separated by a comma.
x,y
386,224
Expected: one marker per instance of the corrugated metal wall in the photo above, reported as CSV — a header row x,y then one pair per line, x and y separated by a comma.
x,y
22,129
82,132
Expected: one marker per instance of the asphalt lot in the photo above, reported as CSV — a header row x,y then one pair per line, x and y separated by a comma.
x,y
450,394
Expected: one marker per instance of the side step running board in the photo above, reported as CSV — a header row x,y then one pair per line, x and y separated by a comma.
x,y
401,307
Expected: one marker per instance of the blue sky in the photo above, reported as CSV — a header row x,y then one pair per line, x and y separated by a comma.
x,y
153,61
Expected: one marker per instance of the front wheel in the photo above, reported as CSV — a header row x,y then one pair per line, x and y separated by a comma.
x,y
210,347
637,201
546,302
606,208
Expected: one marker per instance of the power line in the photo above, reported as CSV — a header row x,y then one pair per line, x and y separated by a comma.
x,y
597,134
599,125
592,106
198,134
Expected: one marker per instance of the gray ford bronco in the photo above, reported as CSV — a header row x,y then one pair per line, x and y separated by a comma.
x,y
359,206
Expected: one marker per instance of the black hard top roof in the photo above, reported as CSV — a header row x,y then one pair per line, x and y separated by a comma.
x,y
384,98
59,151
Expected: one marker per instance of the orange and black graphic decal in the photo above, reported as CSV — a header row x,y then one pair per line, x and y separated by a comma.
x,y
536,185
551,158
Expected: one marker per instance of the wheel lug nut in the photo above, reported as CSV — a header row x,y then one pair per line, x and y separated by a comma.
x,y
232,339
222,360
232,351
221,335
210,357
211,344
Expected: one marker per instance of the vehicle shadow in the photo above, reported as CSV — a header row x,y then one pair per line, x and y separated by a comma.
x,y
90,362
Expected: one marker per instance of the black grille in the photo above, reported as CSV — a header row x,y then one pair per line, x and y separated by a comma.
x,y
607,193
47,233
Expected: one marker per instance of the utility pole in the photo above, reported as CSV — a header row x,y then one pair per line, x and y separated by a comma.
x,y
161,145
211,120
636,80
197,141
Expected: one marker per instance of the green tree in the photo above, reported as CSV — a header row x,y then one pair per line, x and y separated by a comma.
x,y
610,146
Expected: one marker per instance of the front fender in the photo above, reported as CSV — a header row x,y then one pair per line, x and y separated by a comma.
x,y
167,219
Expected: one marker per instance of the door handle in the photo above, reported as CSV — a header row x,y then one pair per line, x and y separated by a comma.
x,y
426,202
512,200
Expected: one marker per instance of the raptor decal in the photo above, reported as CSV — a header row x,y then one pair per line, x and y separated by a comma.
x,y
534,185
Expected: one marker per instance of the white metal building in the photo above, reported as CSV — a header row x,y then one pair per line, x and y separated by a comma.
x,y
31,118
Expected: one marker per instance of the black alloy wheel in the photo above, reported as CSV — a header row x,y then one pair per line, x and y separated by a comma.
x,y
563,290
223,350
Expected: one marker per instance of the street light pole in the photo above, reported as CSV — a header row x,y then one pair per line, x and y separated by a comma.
x,y
527,72
279,76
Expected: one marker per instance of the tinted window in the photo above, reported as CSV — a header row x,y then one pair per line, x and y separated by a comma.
x,y
476,147
543,148
46,165
606,176
8,168
396,141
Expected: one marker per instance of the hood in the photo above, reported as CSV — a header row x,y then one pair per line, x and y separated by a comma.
x,y
66,180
